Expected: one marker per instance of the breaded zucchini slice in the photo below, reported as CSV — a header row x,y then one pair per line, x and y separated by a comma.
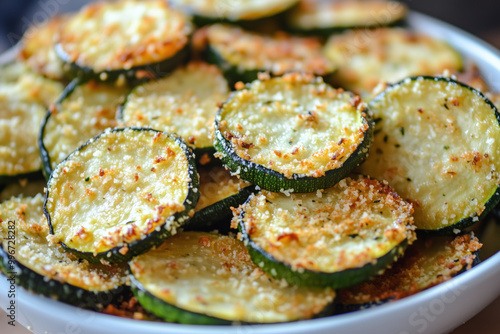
x,y
336,237
428,262
184,103
219,192
130,38
292,133
437,143
242,54
366,58
82,112
126,190
204,278
238,11
38,48
45,268
24,99
328,17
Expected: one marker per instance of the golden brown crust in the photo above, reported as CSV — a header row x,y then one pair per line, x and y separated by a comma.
x,y
347,226
427,263
102,37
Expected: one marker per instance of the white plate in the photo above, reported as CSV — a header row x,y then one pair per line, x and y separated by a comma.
x,y
437,310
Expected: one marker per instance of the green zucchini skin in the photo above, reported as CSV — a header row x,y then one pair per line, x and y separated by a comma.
x,y
153,239
275,181
63,292
169,312
134,75
218,215
492,201
310,278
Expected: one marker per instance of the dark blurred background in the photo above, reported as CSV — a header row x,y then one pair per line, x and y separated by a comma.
x,y
480,17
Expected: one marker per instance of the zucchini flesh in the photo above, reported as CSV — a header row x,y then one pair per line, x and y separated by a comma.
x,y
292,133
366,58
322,17
38,48
100,40
46,268
219,192
184,103
438,145
204,278
23,101
84,111
145,177
428,262
205,11
336,237
242,54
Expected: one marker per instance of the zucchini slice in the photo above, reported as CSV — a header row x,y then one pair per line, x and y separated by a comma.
x,y
328,17
292,133
184,103
130,38
204,278
38,48
211,11
428,262
47,269
242,54
336,237
23,102
366,58
83,111
126,190
219,192
437,143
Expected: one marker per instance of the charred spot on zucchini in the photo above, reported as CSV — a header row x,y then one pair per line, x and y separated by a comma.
x,y
219,192
131,38
204,278
366,58
82,112
428,262
38,48
149,179
336,237
292,133
24,98
237,11
328,17
450,150
47,269
184,103
242,54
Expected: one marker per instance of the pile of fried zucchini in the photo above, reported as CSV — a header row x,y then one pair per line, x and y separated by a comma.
x,y
233,162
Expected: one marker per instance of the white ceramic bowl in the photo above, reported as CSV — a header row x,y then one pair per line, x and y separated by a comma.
x,y
437,310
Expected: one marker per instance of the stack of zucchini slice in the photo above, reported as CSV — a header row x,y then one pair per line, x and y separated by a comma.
x,y
135,194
